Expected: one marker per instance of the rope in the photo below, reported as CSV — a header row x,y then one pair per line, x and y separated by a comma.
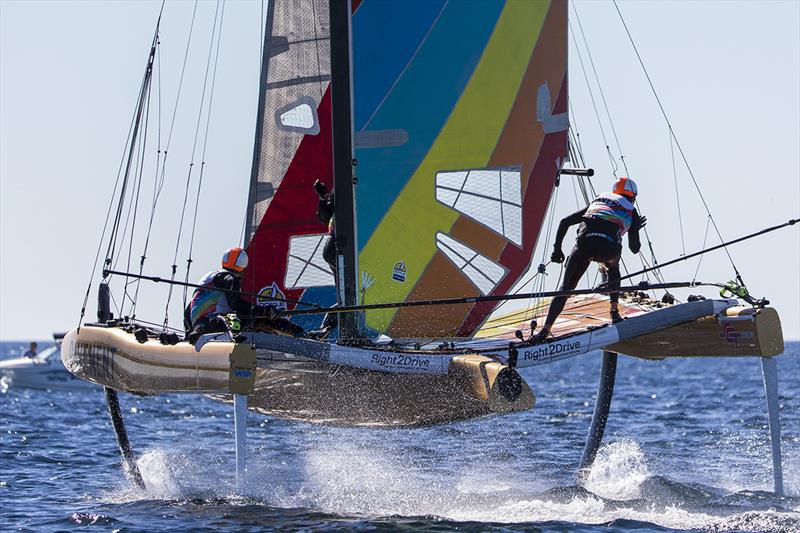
x,y
602,289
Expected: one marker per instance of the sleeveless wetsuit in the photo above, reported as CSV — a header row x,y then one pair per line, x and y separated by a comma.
x,y
602,225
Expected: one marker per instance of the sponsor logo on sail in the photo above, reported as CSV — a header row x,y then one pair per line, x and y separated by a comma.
x,y
271,291
399,272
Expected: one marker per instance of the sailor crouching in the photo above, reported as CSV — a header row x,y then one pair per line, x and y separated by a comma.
x,y
219,296
206,312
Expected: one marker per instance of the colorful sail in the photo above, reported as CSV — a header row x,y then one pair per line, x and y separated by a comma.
x,y
459,118
460,129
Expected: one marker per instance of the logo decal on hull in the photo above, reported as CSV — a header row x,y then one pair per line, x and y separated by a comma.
x,y
547,351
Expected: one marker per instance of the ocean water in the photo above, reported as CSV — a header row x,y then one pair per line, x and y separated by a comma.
x,y
686,449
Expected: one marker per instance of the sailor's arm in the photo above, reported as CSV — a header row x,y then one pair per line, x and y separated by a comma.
x,y
563,226
227,282
633,235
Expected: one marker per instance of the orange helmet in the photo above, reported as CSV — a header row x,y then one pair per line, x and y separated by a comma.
x,y
235,260
626,187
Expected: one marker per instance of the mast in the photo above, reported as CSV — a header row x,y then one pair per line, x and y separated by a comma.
x,y
342,118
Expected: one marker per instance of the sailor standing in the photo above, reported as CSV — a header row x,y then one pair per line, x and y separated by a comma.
x,y
602,225
326,214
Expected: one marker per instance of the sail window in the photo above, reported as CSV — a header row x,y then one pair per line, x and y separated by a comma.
x,y
306,266
299,116
480,270
544,112
492,197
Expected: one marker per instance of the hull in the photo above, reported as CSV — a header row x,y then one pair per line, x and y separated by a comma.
x,y
297,387
353,397
740,331
708,328
395,386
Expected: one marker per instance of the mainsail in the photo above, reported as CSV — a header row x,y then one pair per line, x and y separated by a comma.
x,y
292,149
459,118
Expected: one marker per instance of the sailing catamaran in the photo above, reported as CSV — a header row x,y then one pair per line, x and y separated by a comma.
x,y
443,171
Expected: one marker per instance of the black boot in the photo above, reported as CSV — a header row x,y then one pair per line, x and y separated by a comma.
x,y
320,334
541,336
615,316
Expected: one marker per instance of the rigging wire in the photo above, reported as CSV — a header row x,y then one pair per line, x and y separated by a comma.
x,y
677,195
131,148
134,203
611,125
677,143
316,49
156,189
128,149
602,94
105,225
705,241
611,159
161,172
205,141
166,150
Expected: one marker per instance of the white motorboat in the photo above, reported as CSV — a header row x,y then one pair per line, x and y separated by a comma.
x,y
42,371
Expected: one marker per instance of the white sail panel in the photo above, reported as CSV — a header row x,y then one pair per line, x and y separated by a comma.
x,y
300,116
452,180
492,197
484,210
484,183
484,273
446,196
511,189
306,267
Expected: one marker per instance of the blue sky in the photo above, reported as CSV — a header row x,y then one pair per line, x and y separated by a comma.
x,y
728,75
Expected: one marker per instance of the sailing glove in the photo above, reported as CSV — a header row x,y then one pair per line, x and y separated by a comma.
x,y
558,256
639,223
321,189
